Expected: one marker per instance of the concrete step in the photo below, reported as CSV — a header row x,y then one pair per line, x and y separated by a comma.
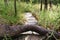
x,y
30,19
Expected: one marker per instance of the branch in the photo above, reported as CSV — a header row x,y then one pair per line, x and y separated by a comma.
x,y
17,29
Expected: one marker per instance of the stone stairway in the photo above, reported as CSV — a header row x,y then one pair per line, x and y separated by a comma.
x,y
30,20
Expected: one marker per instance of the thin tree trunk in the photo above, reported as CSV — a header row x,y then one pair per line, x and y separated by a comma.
x,y
6,2
46,4
41,5
15,9
50,4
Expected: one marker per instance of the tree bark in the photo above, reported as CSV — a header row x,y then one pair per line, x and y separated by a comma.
x,y
15,8
50,4
18,29
46,4
6,2
41,6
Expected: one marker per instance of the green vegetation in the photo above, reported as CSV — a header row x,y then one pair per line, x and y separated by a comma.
x,y
46,18
7,12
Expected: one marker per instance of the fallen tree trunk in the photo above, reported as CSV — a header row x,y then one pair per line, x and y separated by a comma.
x,y
6,30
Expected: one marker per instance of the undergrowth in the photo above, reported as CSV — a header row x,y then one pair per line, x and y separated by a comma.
x,y
48,19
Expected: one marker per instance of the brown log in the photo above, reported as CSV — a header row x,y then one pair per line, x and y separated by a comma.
x,y
17,29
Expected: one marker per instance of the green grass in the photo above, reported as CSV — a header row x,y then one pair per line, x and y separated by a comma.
x,y
8,11
48,19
